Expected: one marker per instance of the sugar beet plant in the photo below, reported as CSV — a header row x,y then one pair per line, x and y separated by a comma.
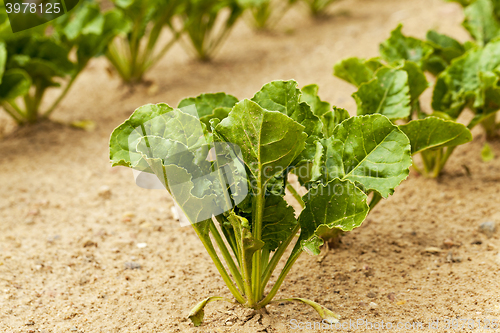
x,y
265,14
34,61
226,163
137,49
392,84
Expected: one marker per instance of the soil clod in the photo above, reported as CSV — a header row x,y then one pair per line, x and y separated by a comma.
x,y
488,228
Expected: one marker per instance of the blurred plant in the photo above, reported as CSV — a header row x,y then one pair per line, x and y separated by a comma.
x,y
266,14
318,7
36,60
207,24
136,50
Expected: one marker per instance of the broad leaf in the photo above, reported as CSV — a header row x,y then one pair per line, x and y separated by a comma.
x,y
15,82
387,94
285,97
278,222
434,132
445,50
399,47
338,204
481,22
416,80
210,106
330,118
353,70
369,151
269,140
3,59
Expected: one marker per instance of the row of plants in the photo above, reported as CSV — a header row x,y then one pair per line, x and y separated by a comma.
x,y
231,159
466,78
129,35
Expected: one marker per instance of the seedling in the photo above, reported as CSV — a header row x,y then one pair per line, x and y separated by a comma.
x,y
35,61
226,164
392,84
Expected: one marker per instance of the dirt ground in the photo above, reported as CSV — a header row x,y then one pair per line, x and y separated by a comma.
x,y
65,242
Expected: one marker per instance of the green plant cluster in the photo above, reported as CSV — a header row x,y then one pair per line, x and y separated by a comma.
x,y
467,77
342,161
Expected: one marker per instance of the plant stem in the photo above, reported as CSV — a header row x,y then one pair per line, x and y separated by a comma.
x,y
296,252
375,200
437,163
211,251
227,256
246,267
417,169
12,112
271,266
257,215
63,94
489,125
295,194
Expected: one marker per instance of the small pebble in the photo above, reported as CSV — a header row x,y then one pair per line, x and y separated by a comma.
x,y
448,243
373,305
229,323
371,294
490,247
175,213
433,250
391,296
30,323
488,228
401,302
104,192
141,245
74,329
132,265
89,243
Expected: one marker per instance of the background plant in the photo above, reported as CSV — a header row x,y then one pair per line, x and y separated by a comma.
x,y
392,85
318,7
266,14
137,49
36,60
277,133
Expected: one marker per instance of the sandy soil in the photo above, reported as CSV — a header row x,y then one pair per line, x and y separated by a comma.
x,y
65,244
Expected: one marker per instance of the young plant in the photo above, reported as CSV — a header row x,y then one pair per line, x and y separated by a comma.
x,y
318,7
207,24
230,160
137,49
34,61
265,14
391,85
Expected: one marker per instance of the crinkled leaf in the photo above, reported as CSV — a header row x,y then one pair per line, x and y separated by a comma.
x,y
16,82
155,120
338,204
445,50
387,94
481,22
369,151
399,47
277,222
269,140
434,132
416,80
285,97
328,116
354,70
210,106
471,78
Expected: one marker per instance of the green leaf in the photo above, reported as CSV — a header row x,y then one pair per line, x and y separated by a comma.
x,y
269,140
487,154
16,82
387,94
353,70
339,204
160,120
481,22
278,222
330,118
285,97
445,50
3,59
197,314
369,151
432,132
399,47
416,80
210,106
